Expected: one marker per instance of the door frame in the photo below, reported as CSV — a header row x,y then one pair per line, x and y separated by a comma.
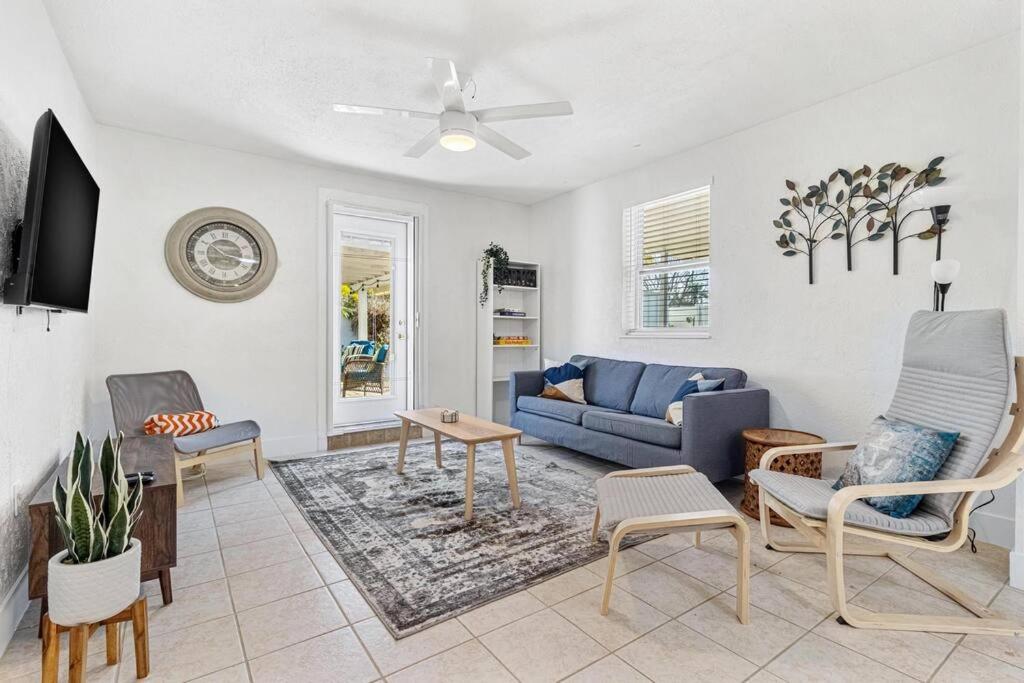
x,y
373,207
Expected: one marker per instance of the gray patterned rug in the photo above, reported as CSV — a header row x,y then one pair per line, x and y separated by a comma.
x,y
403,541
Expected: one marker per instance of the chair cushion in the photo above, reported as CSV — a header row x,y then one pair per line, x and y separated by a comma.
x,y
635,427
224,435
628,497
659,384
609,383
556,410
810,498
180,424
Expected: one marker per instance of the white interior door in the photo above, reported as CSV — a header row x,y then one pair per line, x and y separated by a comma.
x,y
371,312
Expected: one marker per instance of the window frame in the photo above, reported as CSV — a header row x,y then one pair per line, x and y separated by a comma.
x,y
634,270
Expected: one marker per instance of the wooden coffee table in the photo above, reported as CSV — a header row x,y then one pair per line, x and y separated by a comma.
x,y
469,430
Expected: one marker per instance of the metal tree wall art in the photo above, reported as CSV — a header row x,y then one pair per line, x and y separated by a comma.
x,y
859,206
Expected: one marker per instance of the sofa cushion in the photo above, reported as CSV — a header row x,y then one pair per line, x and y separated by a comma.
x,y
556,409
659,384
609,383
636,427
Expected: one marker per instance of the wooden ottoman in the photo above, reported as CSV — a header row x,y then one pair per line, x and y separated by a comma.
x,y
803,464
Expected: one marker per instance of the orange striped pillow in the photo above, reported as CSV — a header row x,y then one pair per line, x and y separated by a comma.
x,y
180,424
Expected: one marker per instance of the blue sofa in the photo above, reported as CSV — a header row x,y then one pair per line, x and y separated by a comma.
x,y
624,417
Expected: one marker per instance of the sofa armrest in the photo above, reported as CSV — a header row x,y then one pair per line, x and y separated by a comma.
x,y
712,426
523,383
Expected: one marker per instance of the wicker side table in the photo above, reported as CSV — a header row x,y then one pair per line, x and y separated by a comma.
x,y
803,464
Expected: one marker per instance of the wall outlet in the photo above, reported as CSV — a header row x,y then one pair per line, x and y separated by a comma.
x,y
16,497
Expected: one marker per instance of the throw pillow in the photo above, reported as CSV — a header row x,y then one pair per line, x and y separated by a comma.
x,y
695,384
893,452
564,383
180,424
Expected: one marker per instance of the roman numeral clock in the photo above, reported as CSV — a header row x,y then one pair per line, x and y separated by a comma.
x,y
220,254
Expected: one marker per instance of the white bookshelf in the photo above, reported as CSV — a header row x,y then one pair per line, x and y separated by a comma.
x,y
494,363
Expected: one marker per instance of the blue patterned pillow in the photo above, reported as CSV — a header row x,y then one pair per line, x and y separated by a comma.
x,y
564,383
696,383
894,452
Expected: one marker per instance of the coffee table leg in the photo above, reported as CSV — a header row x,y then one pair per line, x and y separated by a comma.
x,y
403,441
437,449
510,468
470,465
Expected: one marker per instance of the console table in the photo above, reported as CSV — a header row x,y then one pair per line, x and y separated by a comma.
x,y
157,527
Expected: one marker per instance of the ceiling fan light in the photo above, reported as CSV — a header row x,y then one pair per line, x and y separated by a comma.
x,y
458,140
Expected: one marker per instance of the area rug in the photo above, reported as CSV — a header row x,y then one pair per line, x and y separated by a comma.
x,y
405,544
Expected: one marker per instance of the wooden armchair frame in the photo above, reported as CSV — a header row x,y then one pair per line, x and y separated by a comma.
x,y
1004,465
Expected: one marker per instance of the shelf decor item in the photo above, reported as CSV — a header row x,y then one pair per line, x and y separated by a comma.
x,y
97,575
449,416
494,256
859,206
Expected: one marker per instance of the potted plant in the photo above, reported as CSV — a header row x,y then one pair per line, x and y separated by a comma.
x,y
98,573
495,255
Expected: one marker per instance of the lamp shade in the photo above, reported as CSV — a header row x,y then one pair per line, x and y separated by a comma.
x,y
945,270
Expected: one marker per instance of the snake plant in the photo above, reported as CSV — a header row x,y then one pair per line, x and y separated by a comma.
x,y
96,528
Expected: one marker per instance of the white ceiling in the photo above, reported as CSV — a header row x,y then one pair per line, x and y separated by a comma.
x,y
646,77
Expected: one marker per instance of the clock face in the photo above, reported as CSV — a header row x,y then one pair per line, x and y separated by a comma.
x,y
223,254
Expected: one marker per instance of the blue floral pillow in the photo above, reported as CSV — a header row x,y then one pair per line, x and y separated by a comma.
x,y
894,452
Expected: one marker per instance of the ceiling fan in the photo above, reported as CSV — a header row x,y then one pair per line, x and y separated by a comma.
x,y
458,130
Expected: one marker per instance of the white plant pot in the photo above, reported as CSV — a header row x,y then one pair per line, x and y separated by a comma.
x,y
90,592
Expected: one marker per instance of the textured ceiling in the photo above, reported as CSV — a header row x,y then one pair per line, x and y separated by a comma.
x,y
646,78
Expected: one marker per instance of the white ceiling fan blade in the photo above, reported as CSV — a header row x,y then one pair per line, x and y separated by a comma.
x,y
446,80
425,143
500,142
523,111
384,111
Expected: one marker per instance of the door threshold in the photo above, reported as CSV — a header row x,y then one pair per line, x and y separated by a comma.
x,y
364,426
368,434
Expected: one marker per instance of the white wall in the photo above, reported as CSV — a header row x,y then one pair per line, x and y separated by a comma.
x,y
829,353
42,375
258,359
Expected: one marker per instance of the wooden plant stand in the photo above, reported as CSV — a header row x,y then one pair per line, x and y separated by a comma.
x,y
79,643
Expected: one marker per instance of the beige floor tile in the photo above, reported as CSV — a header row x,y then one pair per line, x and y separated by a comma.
x,y
543,647
189,652
818,659
790,600
224,477
311,542
565,586
628,617
500,612
296,521
194,521
261,586
392,655
195,500
239,559
760,556
885,595
324,659
195,542
192,605
916,654
669,590
981,575
233,674
232,514
669,544
279,624
710,566
241,533
628,560
351,601
96,669
285,505
611,669
763,676
967,665
253,491
759,641
1009,603
195,569
467,663
677,653
30,619
330,570
811,571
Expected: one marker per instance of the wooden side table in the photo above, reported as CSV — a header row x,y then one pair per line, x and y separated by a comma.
x,y
803,464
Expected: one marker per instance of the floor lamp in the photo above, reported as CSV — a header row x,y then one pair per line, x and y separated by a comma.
x,y
944,271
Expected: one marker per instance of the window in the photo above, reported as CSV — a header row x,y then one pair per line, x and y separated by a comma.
x,y
666,265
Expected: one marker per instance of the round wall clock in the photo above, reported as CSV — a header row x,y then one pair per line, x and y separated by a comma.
x,y
220,254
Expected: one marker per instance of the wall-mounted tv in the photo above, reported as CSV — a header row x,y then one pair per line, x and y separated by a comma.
x,y
53,245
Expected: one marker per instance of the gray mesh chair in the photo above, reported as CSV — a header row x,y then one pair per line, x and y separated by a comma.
x,y
957,373
136,397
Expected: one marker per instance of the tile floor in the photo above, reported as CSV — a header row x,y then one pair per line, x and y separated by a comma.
x,y
258,597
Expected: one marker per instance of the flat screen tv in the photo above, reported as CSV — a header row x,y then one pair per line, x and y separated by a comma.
x,y
53,245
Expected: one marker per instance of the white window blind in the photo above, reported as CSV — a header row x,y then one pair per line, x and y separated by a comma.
x,y
666,252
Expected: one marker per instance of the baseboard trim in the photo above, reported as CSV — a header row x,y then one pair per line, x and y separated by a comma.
x,y
289,445
1017,570
13,609
994,529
